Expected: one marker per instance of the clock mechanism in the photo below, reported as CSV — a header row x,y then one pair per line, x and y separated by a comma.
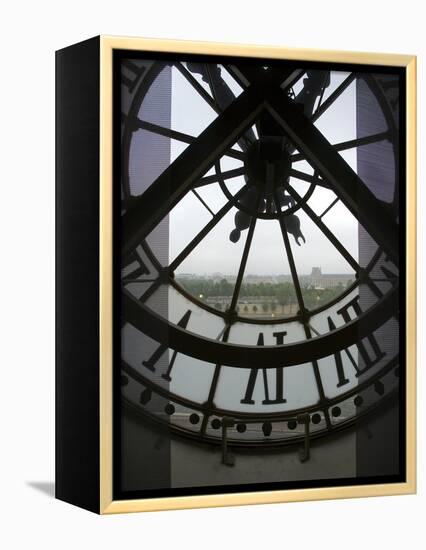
x,y
259,249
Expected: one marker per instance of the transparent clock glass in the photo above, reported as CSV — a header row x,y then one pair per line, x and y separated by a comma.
x,y
259,264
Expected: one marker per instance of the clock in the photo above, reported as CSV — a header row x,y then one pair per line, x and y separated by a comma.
x,y
259,271
261,369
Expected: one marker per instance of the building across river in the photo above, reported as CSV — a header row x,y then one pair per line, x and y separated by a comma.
x,y
316,279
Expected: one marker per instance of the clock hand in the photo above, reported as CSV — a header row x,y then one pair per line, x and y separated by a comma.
x,y
242,220
292,225
265,166
292,222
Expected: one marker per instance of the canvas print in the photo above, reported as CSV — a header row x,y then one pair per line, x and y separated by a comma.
x,y
259,260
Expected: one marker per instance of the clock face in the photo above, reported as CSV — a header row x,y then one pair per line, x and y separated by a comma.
x,y
260,260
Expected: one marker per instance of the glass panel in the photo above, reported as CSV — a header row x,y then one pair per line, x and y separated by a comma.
x,y
237,238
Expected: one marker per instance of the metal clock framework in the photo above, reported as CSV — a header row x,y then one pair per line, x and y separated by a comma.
x,y
296,374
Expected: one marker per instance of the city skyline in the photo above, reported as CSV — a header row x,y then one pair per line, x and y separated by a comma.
x,y
218,274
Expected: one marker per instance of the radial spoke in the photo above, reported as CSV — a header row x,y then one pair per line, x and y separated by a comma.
x,y
359,142
197,86
332,97
350,144
214,383
290,258
214,178
302,307
163,131
314,330
203,202
243,262
180,136
329,207
307,177
206,229
321,225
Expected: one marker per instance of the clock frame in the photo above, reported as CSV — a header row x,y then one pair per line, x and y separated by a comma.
x,y
120,239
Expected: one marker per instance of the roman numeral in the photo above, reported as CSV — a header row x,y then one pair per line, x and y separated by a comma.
x,y
389,274
162,348
342,380
369,358
389,84
136,267
279,378
133,73
391,89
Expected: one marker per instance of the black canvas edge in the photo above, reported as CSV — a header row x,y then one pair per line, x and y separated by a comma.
x,y
77,275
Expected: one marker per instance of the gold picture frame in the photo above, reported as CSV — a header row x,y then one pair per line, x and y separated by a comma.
x,y
107,46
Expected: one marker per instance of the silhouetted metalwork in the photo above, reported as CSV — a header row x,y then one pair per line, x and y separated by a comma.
x,y
268,127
